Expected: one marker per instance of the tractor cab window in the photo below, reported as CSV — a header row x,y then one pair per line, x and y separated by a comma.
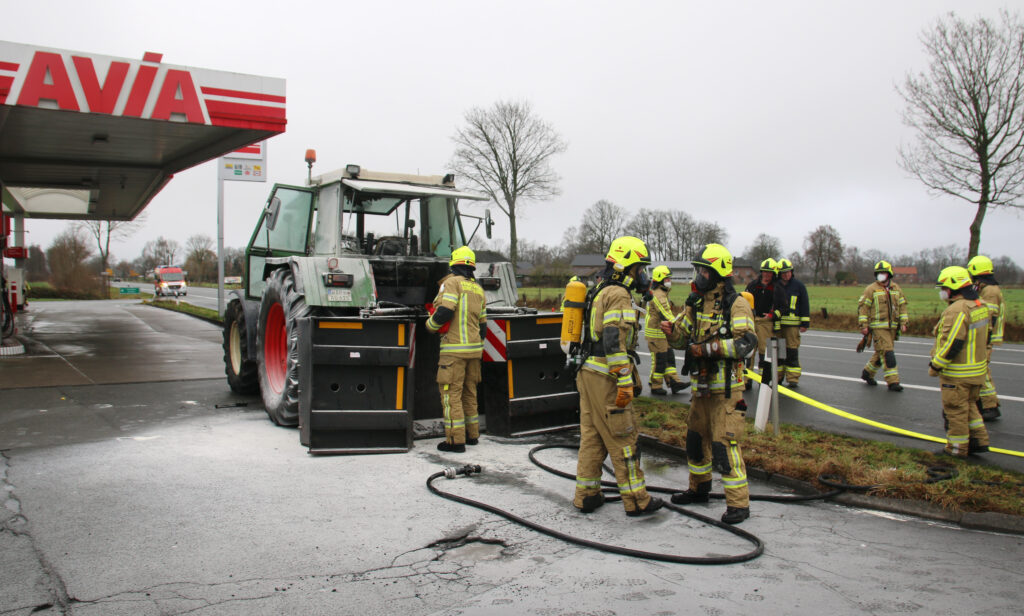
x,y
393,225
291,224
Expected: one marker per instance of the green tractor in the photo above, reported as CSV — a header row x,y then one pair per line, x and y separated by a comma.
x,y
329,326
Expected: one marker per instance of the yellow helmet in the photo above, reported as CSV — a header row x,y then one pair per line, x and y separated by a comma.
x,y
954,278
770,265
979,266
661,273
783,265
463,256
883,266
626,251
715,257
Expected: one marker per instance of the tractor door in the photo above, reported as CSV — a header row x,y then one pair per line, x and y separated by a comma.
x,y
283,230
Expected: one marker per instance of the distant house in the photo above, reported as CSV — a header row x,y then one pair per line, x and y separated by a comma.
x,y
743,273
587,266
682,271
906,274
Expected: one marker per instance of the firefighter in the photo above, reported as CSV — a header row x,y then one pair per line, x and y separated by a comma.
x,y
792,318
959,360
763,290
605,383
717,331
460,301
882,310
663,359
982,274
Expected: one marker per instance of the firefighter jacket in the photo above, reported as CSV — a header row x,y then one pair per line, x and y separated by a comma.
x,y
764,297
611,332
462,300
993,296
702,323
792,308
961,341
658,309
882,307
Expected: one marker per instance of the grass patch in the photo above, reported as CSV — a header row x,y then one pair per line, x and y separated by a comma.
x,y
206,313
895,472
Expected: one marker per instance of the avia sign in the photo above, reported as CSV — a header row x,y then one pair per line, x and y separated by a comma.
x,y
148,89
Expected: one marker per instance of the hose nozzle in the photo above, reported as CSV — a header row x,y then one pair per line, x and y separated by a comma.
x,y
451,472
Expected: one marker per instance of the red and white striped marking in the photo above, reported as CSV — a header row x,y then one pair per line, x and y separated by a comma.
x,y
494,344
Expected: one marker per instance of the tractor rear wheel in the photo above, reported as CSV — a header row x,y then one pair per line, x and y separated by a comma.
x,y
238,366
278,348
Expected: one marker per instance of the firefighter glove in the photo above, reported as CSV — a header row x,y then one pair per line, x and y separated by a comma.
x,y
932,370
624,396
708,349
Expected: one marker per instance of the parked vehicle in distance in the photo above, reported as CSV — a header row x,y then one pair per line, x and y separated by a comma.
x,y
170,281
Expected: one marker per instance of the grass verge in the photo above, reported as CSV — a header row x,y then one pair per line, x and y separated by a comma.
x,y
203,313
895,472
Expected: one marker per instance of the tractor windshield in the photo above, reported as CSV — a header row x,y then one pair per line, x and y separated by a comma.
x,y
390,225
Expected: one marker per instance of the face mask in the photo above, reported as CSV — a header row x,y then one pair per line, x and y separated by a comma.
x,y
702,283
881,277
944,295
643,282
668,284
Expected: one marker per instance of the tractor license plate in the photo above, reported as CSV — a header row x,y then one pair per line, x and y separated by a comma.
x,y
339,295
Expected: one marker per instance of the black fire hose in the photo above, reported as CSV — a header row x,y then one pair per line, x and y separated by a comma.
x,y
469,469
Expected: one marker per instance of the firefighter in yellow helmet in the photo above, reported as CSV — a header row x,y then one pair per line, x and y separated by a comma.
x,y
460,301
983,275
659,310
882,311
959,359
607,425
717,331
792,318
763,290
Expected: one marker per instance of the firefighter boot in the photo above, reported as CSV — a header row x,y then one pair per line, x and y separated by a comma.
x,y
688,496
990,413
974,447
652,506
868,378
658,391
472,441
735,515
592,502
454,448
678,386
895,387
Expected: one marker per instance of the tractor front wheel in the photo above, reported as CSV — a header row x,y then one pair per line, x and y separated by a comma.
x,y
238,365
278,353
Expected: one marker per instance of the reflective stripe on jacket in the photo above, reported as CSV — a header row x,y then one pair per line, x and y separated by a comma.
x,y
882,307
702,327
992,295
792,307
465,298
965,320
612,308
658,309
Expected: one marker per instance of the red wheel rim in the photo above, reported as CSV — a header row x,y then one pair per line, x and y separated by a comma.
x,y
275,348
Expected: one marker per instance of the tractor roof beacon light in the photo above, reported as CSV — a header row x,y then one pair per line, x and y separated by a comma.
x,y
310,159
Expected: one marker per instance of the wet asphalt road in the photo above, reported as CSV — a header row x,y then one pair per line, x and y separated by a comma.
x,y
133,483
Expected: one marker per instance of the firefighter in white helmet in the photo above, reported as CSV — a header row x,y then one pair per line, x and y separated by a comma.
x,y
959,360
882,311
607,425
717,331
461,302
659,310
983,275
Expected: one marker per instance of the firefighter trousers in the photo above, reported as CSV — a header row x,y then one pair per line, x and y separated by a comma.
x,y
790,366
963,421
713,441
606,430
989,399
884,340
457,378
663,362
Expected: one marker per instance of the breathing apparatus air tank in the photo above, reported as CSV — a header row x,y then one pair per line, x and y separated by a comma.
x,y
572,314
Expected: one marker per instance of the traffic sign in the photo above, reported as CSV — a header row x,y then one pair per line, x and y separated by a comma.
x,y
128,290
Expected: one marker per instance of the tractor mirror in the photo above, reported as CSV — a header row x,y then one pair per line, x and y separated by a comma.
x,y
273,209
488,223
410,223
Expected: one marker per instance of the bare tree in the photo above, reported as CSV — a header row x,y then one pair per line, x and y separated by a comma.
x,y
506,152
968,111
160,251
67,257
36,269
602,222
105,230
200,259
764,247
823,248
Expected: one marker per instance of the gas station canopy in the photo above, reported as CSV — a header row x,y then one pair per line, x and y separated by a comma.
x,y
91,137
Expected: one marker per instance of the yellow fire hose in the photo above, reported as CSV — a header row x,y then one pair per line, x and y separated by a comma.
x,y
830,409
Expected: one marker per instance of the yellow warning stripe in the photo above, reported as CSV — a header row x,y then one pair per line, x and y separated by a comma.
x,y
830,409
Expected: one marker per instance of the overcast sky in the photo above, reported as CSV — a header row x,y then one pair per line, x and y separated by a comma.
x,y
772,117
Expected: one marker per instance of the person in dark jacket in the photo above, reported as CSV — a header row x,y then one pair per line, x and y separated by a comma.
x,y
763,290
792,318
